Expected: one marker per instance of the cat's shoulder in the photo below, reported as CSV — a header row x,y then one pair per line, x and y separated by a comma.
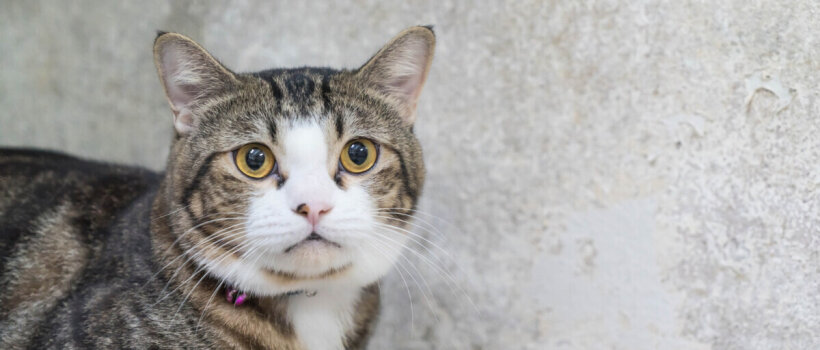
x,y
19,162
44,187
58,214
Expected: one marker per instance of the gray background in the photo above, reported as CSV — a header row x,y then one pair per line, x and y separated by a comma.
x,y
606,175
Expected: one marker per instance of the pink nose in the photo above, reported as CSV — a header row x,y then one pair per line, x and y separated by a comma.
x,y
313,211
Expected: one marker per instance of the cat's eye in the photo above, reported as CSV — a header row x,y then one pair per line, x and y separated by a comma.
x,y
254,160
359,155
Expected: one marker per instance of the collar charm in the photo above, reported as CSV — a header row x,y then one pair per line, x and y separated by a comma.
x,y
235,297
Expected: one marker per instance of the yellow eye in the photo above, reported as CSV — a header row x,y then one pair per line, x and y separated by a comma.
x,y
254,160
359,155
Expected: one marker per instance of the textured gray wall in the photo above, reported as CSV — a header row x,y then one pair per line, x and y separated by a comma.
x,y
608,175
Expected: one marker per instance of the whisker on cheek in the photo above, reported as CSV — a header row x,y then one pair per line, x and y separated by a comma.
x,y
236,235
400,253
450,279
411,220
406,285
178,239
204,271
414,236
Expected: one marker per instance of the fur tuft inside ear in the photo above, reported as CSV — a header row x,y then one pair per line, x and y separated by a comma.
x,y
189,75
400,68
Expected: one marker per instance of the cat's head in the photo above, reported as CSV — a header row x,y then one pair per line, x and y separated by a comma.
x,y
294,179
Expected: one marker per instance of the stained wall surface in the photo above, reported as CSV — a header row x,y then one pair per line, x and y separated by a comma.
x,y
601,175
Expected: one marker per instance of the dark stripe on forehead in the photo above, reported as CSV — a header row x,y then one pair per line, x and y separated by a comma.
x,y
277,91
277,94
326,92
268,76
296,91
340,125
272,130
300,86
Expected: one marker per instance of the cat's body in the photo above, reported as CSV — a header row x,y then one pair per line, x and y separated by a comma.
x,y
255,199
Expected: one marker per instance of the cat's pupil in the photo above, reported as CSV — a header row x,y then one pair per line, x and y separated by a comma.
x,y
357,152
255,158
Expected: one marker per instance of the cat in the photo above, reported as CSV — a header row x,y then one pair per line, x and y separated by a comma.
x,y
286,197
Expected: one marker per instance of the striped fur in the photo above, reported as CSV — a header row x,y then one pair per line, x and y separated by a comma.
x,y
95,255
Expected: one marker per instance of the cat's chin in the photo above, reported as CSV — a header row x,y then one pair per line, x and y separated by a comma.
x,y
296,276
312,267
309,259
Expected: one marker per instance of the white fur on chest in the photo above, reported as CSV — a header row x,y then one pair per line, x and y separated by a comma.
x,y
321,321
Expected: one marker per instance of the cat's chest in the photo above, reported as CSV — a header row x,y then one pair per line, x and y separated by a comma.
x,y
322,321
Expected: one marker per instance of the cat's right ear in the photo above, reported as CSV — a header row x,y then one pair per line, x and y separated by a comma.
x,y
189,75
400,68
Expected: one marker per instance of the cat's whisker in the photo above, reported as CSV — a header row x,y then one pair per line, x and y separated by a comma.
x,y
411,219
437,264
204,268
433,265
403,232
235,234
425,240
436,235
400,253
215,235
174,243
205,309
406,286
165,294
195,246
384,239
249,253
222,282
420,241
409,232
414,215
185,252
170,213
415,212
197,218
211,237
242,217
258,250
260,254
418,211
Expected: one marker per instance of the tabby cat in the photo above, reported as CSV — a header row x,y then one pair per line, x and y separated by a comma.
x,y
285,198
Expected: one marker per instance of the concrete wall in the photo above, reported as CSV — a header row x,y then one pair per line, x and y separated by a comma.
x,y
606,175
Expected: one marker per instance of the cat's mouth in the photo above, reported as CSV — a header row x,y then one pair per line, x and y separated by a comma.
x,y
313,239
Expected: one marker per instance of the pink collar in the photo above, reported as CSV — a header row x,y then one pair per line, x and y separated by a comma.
x,y
237,298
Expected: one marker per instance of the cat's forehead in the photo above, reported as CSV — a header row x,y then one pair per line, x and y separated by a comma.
x,y
273,101
299,90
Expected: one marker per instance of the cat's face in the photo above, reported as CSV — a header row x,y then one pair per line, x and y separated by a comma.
x,y
299,179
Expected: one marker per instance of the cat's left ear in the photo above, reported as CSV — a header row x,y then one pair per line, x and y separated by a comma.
x,y
190,76
400,68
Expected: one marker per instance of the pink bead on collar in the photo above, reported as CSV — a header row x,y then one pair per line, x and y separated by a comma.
x,y
233,296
